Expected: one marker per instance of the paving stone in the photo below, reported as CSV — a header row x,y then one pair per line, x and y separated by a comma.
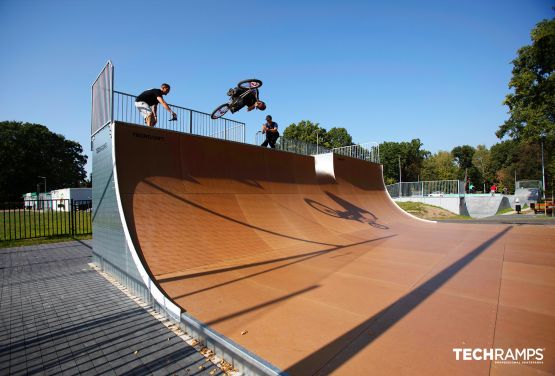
x,y
59,317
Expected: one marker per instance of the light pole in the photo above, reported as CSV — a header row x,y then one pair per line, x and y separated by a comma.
x,y
543,177
43,177
317,131
400,179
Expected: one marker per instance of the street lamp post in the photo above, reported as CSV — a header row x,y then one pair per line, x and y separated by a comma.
x,y
543,178
317,131
400,179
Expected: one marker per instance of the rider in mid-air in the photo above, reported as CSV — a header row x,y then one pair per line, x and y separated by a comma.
x,y
250,100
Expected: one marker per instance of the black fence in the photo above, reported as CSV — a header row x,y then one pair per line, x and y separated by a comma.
x,y
45,218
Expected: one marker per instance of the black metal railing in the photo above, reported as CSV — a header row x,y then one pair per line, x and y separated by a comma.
x,y
188,121
45,218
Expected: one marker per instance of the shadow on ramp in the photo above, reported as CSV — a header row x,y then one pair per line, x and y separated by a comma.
x,y
350,212
371,329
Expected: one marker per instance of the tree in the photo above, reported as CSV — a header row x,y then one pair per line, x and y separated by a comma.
x,y
439,166
337,137
532,104
520,158
462,156
306,131
482,161
411,156
31,150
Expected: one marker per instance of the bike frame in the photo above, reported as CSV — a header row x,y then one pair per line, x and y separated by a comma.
x,y
255,90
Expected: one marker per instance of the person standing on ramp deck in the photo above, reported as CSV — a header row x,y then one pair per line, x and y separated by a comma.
x,y
147,104
270,128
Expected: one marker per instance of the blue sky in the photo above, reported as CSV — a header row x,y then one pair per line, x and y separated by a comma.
x,y
385,70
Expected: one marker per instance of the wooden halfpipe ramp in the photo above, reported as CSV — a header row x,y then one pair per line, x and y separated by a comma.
x,y
307,263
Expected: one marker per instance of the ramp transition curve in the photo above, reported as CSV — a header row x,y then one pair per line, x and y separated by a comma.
x,y
321,272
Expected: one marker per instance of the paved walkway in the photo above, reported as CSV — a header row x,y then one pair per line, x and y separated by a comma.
x,y
508,219
57,316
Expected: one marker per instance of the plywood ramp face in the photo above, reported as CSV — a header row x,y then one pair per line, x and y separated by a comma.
x,y
323,276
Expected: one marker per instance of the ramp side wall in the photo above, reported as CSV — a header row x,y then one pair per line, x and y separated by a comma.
x,y
110,250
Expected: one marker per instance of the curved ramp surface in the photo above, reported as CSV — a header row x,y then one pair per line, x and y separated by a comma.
x,y
323,273
485,205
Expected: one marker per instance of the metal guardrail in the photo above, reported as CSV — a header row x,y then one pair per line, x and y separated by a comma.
x,y
45,218
529,184
293,146
111,105
368,151
439,188
188,121
300,147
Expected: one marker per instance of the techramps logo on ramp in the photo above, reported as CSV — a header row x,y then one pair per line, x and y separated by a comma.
x,y
148,136
502,356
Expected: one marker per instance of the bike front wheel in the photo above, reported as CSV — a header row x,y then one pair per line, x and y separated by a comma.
x,y
251,83
220,111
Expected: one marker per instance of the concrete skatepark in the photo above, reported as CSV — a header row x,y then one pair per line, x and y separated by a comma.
x,y
474,206
292,264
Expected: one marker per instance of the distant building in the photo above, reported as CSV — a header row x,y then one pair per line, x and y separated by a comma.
x,y
61,197
58,199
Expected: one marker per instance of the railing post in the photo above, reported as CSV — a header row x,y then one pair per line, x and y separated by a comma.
x,y
190,122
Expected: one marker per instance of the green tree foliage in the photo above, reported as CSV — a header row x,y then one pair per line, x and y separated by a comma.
x,y
337,137
532,104
31,150
512,157
462,156
482,162
411,154
306,131
439,166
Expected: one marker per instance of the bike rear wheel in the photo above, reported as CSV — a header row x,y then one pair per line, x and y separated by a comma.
x,y
220,111
251,83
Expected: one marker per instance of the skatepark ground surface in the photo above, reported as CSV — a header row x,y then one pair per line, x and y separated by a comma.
x,y
60,317
323,273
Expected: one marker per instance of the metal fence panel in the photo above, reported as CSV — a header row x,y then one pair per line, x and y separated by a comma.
x,y
439,188
368,151
529,184
45,218
102,99
188,121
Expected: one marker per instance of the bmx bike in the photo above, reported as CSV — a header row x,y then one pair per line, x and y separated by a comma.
x,y
251,87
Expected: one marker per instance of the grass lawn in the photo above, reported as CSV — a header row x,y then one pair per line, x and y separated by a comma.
x,y
426,211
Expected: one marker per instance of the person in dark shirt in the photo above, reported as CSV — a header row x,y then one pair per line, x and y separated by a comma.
x,y
250,100
147,104
270,128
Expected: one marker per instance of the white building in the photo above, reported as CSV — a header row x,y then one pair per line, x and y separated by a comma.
x,y
61,197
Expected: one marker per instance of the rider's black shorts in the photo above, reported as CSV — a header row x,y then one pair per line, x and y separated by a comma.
x,y
239,103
